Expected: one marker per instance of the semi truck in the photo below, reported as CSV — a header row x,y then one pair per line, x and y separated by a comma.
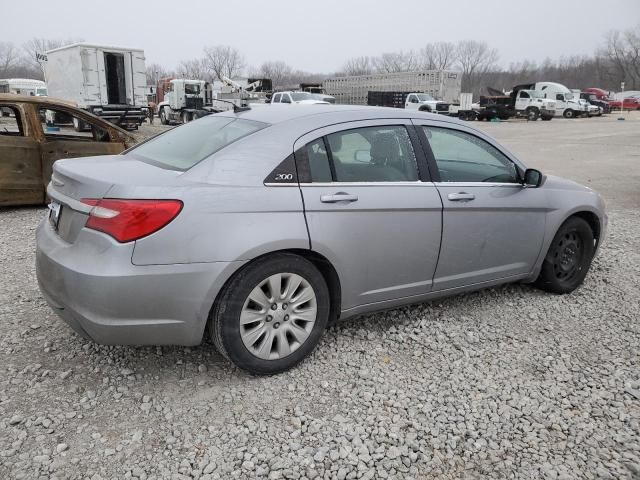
x,y
566,104
409,100
106,81
443,85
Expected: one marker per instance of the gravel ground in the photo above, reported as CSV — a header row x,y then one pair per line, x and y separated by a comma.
x,y
508,382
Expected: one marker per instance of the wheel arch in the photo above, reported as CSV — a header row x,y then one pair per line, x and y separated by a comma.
x,y
324,266
592,219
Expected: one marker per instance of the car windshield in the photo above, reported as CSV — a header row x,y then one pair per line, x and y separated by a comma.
x,y
184,147
425,97
535,94
568,96
297,96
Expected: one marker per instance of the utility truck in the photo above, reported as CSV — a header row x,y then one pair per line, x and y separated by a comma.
x,y
409,100
520,102
187,100
106,81
444,85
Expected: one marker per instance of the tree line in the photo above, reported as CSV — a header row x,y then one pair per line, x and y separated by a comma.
x,y
616,60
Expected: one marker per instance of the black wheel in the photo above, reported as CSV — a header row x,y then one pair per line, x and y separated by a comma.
x,y
186,117
569,113
163,117
532,114
546,118
425,108
569,257
271,314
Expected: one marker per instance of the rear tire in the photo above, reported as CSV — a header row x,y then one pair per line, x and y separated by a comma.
x,y
569,257
186,117
259,338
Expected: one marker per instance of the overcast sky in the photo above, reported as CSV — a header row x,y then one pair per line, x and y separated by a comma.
x,y
320,36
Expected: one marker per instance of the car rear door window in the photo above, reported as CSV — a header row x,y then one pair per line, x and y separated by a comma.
x,y
373,154
462,157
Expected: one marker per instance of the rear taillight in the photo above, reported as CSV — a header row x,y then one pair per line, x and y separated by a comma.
x,y
128,220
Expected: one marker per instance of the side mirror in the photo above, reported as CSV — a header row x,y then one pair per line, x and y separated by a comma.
x,y
532,178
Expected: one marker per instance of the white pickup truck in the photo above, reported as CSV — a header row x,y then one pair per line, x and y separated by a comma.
x,y
425,103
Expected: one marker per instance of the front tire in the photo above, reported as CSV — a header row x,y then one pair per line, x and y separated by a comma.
x,y
569,257
163,117
569,113
532,114
271,315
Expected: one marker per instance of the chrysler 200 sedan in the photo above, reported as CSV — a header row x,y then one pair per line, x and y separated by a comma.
x,y
255,229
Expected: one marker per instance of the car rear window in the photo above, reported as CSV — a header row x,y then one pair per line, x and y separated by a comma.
x,y
182,148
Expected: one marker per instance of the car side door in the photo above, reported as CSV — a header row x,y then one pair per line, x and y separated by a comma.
x,y
61,139
20,167
371,208
493,226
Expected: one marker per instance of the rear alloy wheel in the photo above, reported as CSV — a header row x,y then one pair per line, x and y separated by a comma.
x,y
569,257
271,315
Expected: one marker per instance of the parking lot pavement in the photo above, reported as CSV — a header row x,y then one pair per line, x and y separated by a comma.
x,y
508,382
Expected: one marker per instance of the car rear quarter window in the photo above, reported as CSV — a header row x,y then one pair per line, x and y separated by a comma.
x,y
185,146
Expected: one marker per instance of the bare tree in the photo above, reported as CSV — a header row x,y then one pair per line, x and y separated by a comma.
x,y
397,62
279,72
475,59
195,69
623,51
155,71
9,58
438,56
223,61
359,66
41,45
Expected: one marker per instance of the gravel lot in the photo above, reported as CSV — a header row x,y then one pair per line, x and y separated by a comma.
x,y
504,383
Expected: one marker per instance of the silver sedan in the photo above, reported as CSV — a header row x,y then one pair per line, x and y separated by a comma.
x,y
256,229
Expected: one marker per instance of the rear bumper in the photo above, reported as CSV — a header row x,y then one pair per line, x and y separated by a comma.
x,y
93,286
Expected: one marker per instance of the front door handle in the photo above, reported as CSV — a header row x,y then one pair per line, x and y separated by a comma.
x,y
338,197
461,197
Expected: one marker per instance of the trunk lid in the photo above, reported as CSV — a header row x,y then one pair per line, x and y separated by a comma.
x,y
94,177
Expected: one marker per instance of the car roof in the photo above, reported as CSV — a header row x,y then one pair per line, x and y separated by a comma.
x,y
326,114
13,98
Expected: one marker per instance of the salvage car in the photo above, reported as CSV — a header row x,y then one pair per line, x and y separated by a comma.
x,y
37,131
257,228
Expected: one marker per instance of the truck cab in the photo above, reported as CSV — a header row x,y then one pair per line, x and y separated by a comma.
x,y
184,101
533,104
566,104
425,103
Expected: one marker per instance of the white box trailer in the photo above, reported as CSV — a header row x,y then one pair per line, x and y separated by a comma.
x,y
107,81
443,85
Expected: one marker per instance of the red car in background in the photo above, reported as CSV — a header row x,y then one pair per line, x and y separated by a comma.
x,y
630,103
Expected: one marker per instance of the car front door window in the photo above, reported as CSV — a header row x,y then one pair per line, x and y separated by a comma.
x,y
462,157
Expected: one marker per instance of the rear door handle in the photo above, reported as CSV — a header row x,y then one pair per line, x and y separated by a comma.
x,y
338,197
461,197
